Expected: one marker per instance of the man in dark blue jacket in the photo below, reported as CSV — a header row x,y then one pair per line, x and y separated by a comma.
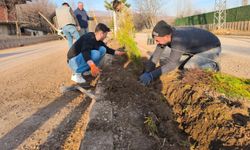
x,y
82,18
201,46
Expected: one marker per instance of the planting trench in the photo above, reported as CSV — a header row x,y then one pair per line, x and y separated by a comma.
x,y
176,112
212,120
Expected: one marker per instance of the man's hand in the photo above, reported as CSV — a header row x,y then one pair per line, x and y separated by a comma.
x,y
146,78
78,28
95,71
119,53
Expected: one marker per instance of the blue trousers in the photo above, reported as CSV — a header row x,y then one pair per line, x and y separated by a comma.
x,y
78,65
70,31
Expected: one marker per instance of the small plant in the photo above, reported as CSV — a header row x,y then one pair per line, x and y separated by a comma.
x,y
151,126
184,143
126,31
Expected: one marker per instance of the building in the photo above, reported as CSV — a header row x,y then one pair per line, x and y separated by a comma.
x,y
8,17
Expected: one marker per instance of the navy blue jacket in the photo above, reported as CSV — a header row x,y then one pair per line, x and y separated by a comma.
x,y
82,17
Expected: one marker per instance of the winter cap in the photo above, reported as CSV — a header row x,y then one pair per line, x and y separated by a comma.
x,y
161,29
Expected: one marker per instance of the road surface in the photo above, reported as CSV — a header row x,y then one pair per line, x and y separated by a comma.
x,y
32,110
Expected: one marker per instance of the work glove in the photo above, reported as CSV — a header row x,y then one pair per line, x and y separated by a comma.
x,y
94,70
146,78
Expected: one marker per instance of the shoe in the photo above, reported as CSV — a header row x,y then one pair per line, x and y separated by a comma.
x,y
77,77
86,73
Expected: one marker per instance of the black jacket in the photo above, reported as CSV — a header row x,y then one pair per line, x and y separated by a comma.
x,y
85,44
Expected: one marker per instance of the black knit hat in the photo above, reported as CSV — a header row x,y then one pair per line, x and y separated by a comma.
x,y
161,29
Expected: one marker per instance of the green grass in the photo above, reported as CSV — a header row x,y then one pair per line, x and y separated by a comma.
x,y
231,86
151,125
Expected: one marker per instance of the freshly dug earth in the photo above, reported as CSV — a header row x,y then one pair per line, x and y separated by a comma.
x,y
141,118
180,111
212,120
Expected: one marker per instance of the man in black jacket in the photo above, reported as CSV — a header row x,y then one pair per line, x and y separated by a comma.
x,y
201,46
87,52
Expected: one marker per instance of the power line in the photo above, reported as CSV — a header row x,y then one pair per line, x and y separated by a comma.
x,y
220,13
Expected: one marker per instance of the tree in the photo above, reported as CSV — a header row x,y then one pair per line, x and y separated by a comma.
x,y
29,17
109,6
148,10
184,8
125,32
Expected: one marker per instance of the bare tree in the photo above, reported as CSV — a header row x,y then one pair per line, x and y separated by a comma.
x,y
72,4
147,11
184,8
28,14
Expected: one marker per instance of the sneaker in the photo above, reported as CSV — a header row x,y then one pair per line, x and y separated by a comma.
x,y
86,73
78,78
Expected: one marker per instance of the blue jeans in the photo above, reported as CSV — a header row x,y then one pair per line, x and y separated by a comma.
x,y
205,60
78,65
70,31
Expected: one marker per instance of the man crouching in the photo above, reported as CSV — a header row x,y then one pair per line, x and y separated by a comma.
x,y
87,52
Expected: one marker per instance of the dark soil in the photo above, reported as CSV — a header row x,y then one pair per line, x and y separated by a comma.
x,y
212,120
132,105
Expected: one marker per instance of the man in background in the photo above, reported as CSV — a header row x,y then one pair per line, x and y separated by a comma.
x,y
82,18
67,22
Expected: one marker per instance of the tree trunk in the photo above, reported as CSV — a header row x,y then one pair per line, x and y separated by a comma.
x,y
115,23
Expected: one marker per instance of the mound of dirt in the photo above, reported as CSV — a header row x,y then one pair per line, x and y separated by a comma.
x,y
141,118
211,120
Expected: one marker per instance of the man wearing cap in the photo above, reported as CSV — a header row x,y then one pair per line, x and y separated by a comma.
x,y
87,52
201,46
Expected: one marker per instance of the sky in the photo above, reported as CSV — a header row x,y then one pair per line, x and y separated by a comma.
x,y
169,6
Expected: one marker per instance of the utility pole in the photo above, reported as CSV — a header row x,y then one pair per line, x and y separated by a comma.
x,y
220,13
244,2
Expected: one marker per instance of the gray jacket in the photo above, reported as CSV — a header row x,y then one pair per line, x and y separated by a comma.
x,y
65,16
185,40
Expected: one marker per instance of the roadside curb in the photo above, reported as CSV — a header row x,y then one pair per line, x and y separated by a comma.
x,y
99,134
